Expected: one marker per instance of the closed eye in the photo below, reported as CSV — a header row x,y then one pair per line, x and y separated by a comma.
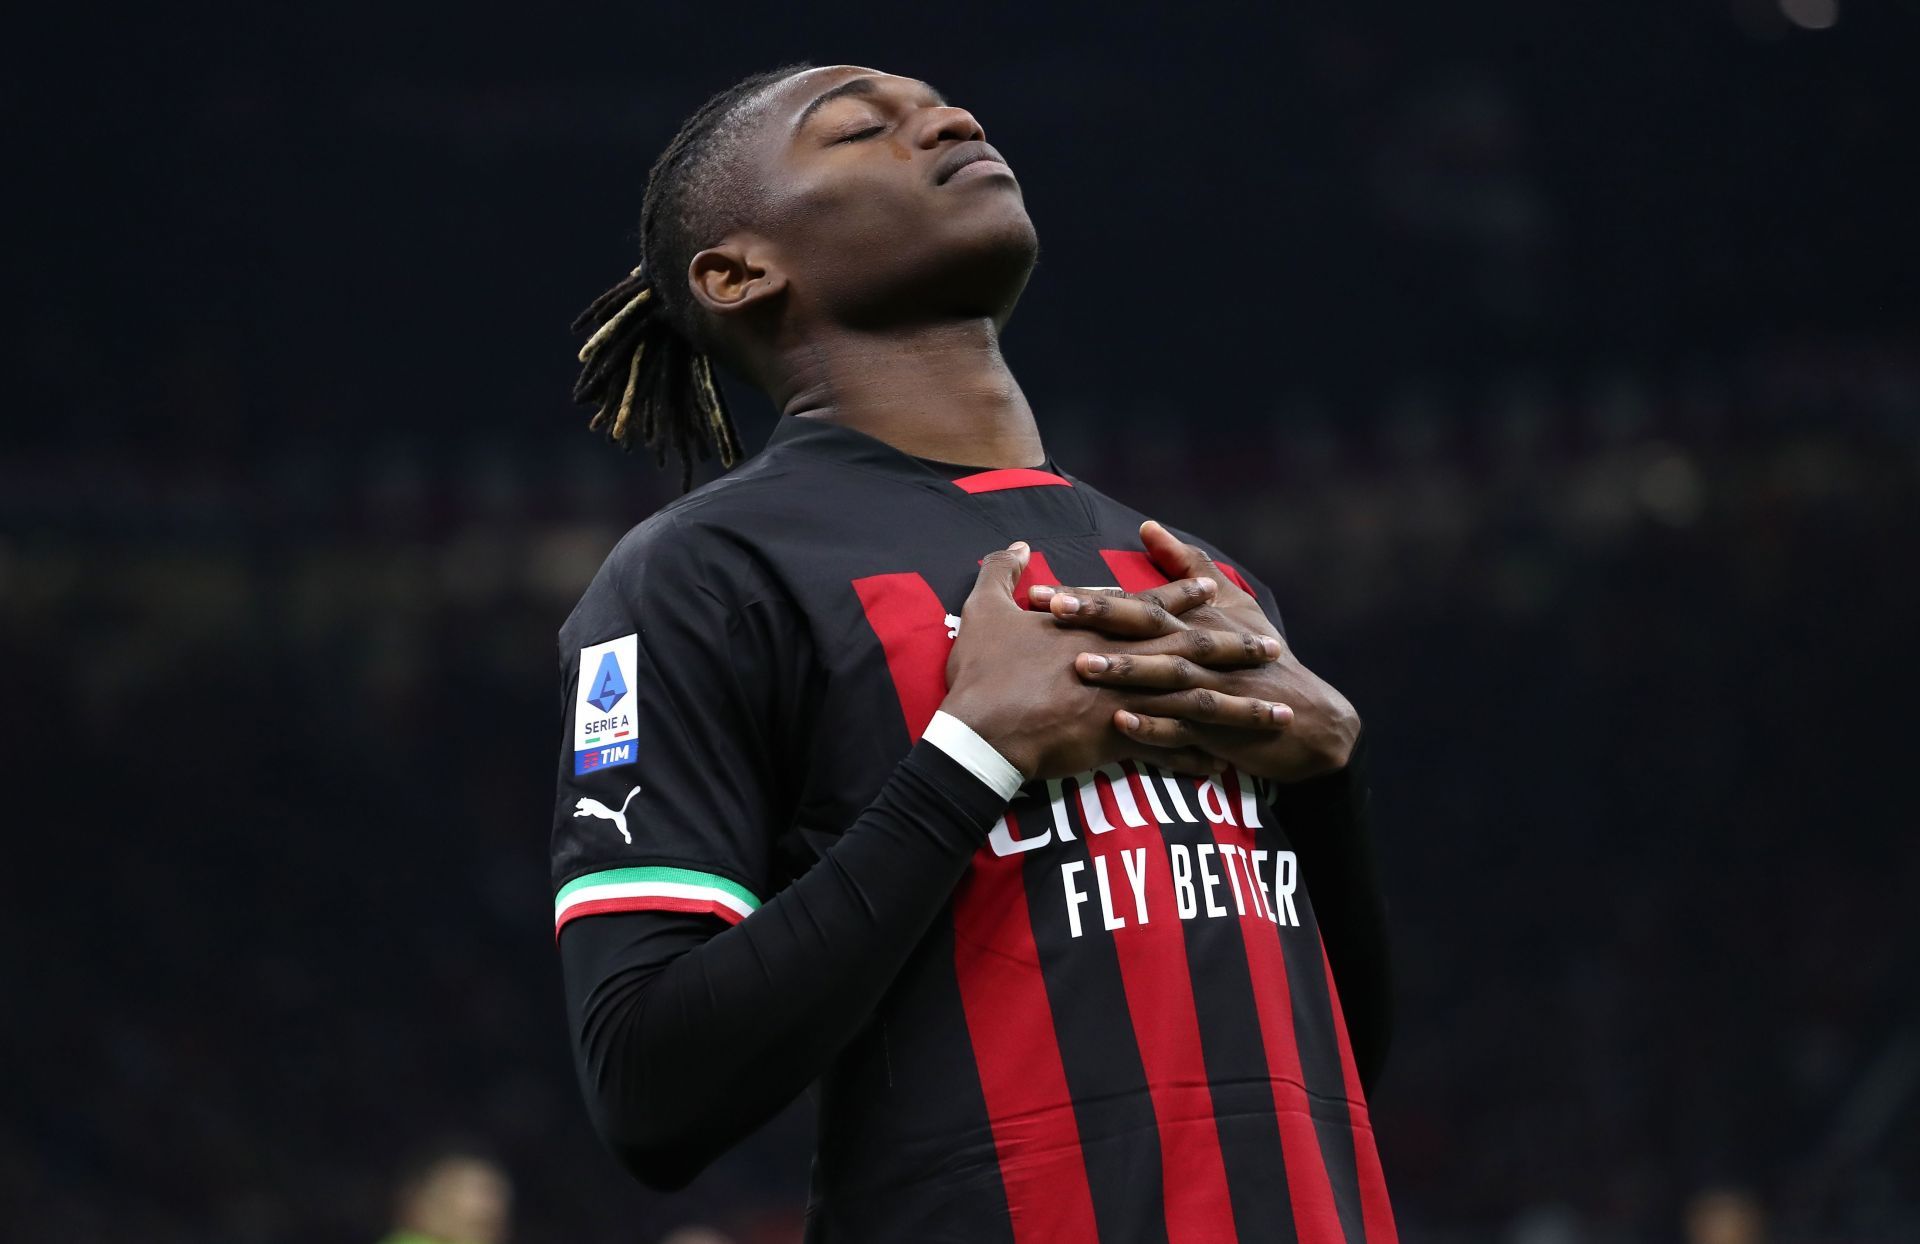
x,y
857,135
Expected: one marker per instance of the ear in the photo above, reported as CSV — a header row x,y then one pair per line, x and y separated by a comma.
x,y
735,276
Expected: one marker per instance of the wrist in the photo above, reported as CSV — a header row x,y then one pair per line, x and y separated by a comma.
x,y
955,736
992,726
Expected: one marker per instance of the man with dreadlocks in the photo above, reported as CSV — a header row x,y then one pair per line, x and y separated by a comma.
x,y
1062,895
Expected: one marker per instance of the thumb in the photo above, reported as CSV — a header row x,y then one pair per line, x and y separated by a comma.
x,y
1000,572
1174,557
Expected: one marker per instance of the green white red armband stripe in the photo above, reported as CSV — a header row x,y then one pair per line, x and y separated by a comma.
x,y
652,889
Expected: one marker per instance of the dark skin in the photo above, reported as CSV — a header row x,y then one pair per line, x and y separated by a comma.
x,y
888,245
867,292
1011,676
1322,725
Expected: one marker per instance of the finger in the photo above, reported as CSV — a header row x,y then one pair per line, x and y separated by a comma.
x,y
1122,617
1182,595
1176,558
1168,733
1178,597
999,572
1203,706
1140,672
1218,649
1190,659
1040,593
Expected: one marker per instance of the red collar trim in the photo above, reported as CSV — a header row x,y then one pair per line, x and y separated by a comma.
x,y
1008,477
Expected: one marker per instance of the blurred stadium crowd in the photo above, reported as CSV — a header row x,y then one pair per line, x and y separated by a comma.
x,y
1569,398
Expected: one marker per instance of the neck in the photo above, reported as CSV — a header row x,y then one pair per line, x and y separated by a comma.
x,y
933,390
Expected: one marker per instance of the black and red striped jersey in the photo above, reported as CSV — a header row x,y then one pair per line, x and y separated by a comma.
x,y
1122,1027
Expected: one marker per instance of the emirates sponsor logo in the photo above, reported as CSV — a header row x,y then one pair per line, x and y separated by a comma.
x,y
1117,883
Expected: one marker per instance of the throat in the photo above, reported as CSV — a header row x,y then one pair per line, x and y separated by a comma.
x,y
942,393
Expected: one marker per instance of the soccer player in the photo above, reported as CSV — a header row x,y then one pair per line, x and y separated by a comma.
x,y
902,761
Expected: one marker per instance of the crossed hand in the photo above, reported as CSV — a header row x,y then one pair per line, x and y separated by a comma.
x,y
1216,676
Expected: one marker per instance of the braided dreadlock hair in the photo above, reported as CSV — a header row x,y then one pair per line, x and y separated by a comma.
x,y
647,365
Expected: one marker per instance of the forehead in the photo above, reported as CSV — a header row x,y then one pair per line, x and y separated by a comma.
x,y
787,101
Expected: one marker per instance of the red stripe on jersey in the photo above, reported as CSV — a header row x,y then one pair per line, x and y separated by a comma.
x,y
1166,1027
1037,572
1238,580
1017,1052
1164,1018
1316,1219
1009,477
1135,572
1376,1211
910,623
1003,995
655,902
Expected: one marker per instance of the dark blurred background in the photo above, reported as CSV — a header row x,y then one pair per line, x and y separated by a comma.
x,y
1559,365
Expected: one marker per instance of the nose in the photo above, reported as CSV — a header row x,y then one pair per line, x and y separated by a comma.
x,y
946,123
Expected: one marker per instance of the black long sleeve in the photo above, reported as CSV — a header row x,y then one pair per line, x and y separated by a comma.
x,y
689,1033
1326,818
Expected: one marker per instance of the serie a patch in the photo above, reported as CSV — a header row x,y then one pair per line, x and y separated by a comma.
x,y
603,706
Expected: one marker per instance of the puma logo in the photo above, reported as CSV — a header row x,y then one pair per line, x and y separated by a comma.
x,y
953,626
593,807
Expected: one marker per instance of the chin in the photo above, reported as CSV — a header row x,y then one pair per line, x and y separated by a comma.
x,y
975,272
986,275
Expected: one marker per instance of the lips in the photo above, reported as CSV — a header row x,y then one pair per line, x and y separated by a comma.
x,y
961,156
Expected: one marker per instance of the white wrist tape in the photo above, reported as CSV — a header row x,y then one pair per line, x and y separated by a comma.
x,y
973,753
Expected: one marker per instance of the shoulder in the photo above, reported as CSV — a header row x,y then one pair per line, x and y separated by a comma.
x,y
707,553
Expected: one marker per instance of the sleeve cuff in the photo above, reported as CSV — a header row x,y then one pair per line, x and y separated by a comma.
x,y
974,754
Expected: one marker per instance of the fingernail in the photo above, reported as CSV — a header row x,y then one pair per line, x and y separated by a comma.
x,y
1069,604
1270,646
1041,594
1280,712
1097,664
1018,546
1208,585
1128,721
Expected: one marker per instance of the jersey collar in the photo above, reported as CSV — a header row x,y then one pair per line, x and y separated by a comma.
x,y
809,435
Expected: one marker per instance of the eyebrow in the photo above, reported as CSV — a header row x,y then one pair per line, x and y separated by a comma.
x,y
855,86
